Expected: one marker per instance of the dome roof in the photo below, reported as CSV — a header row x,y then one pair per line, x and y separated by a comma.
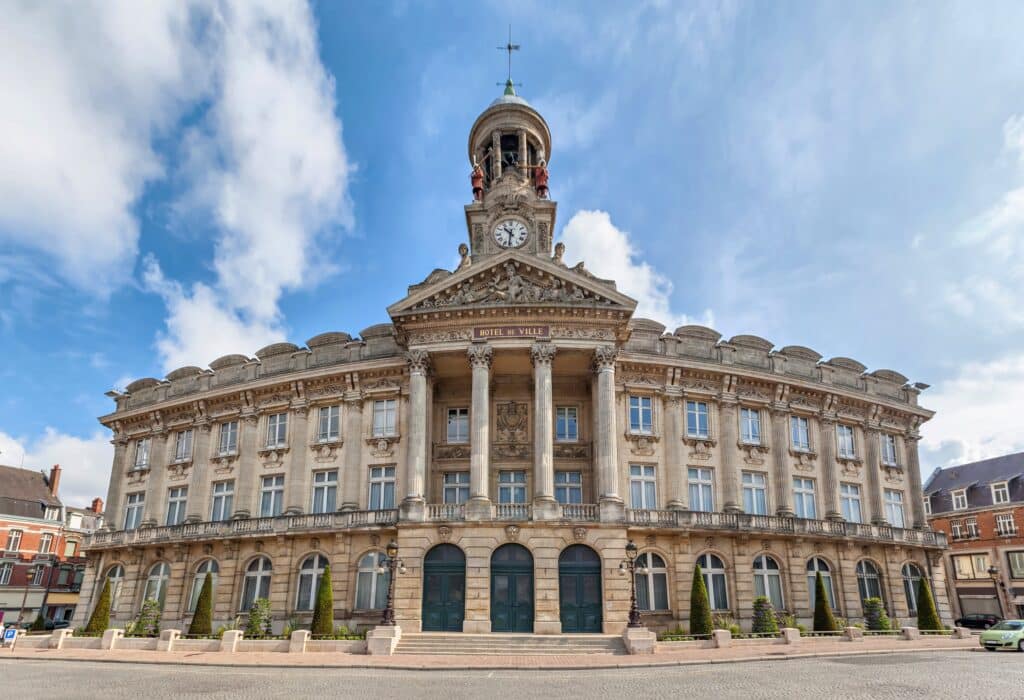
x,y
512,99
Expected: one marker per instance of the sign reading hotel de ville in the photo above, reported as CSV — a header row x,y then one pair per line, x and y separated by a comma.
x,y
486,332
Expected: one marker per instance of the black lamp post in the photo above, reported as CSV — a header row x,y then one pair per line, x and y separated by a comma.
x,y
392,565
628,565
993,573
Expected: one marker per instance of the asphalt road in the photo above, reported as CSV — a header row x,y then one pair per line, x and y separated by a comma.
x,y
929,675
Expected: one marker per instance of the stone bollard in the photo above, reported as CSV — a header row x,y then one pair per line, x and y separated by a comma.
x,y
229,641
961,633
639,640
297,642
910,632
58,637
721,638
382,640
790,635
110,638
853,634
167,640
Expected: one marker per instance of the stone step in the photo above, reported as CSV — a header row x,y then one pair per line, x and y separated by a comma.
x,y
439,643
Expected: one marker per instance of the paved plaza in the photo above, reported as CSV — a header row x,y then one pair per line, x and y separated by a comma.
x,y
955,674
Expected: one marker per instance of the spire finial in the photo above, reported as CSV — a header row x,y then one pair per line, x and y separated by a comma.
x,y
509,48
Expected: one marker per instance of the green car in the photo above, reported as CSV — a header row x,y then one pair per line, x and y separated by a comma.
x,y
1008,634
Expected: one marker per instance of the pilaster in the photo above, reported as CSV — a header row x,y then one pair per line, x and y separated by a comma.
x,y
479,505
674,468
351,451
873,468
729,476
829,486
545,507
783,476
414,505
246,483
605,454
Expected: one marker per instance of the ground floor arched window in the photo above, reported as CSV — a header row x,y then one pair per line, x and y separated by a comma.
x,y
115,575
911,579
713,571
651,582
208,566
869,581
156,583
310,572
817,565
372,582
257,582
768,580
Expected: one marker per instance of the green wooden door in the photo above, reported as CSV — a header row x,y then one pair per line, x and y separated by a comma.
x,y
579,589
511,589
444,589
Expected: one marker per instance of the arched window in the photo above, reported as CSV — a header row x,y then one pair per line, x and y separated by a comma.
x,y
713,571
310,572
372,582
651,582
156,583
257,582
817,565
869,583
767,581
115,575
207,567
911,578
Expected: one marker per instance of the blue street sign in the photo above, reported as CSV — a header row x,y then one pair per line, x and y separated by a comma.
x,y
9,634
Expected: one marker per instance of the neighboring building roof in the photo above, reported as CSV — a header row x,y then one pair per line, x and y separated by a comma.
x,y
25,493
987,471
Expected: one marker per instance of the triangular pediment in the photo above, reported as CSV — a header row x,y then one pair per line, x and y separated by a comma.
x,y
512,279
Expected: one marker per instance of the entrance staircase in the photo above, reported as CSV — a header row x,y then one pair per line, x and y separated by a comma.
x,y
443,643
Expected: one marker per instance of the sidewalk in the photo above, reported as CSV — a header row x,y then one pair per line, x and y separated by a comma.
x,y
767,652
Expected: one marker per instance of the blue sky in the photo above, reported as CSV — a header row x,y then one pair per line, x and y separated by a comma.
x,y
181,180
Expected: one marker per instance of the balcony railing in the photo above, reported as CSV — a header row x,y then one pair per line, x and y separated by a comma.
x,y
581,511
513,511
446,511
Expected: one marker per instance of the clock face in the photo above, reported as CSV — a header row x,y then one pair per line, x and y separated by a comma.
x,y
510,233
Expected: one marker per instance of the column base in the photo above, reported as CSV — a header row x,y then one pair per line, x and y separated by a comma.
x,y
478,508
413,509
676,505
731,508
881,522
292,510
613,510
546,508
835,517
786,512
241,515
348,507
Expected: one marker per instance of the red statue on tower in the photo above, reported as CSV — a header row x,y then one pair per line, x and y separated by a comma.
x,y
540,179
477,178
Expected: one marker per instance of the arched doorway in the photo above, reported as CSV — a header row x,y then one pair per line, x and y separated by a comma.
x,y
579,589
444,589
512,589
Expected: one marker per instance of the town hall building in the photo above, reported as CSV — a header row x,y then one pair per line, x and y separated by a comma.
x,y
511,428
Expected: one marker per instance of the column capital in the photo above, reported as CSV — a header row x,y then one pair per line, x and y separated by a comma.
x,y
418,360
604,357
480,355
542,353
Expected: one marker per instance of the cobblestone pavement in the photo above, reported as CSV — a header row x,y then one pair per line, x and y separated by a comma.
x,y
956,674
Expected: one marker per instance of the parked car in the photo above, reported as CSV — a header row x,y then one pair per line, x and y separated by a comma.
x,y
978,621
48,625
1008,634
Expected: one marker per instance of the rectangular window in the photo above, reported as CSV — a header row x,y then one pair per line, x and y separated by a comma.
x,y
1005,524
329,428
458,425
223,500
1000,493
971,525
1016,562
456,487
6,568
697,419
13,541
176,498
70,548
844,436
755,493
133,510
894,508
45,542
325,491
566,424
849,496
272,496
183,446
512,487
37,580
642,487
960,499
963,567
382,488
798,428
384,417
641,415
569,487
750,426
228,438
701,487
956,527
277,430
927,505
803,498
980,562
142,454
889,449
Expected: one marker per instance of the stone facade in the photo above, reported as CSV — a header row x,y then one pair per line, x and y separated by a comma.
x,y
518,401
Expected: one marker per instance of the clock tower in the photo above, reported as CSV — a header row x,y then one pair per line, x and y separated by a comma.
x,y
509,146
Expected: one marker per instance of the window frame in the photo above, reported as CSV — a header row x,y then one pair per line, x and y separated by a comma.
x,y
177,499
331,416
510,485
644,476
277,430
1001,518
801,493
813,567
800,426
846,448
961,496
865,579
6,572
568,486
275,489
142,454
698,410
134,510
710,572
849,496
461,425
325,491
704,487
765,575
14,543
646,580
910,583
308,580
895,512
382,480
569,417
45,542
750,426
160,581
379,577
1016,572
387,408
888,449
256,580
183,445
758,492
227,443
457,487
1002,487
226,497
198,578
644,408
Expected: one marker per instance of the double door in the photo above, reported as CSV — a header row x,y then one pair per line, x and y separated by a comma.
x,y
512,601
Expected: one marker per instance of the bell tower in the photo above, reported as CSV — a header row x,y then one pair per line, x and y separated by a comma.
x,y
509,148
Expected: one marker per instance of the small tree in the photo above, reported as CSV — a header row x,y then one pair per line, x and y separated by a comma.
x,y
764,617
39,624
700,607
824,621
147,624
202,620
927,615
100,618
323,613
874,615
260,619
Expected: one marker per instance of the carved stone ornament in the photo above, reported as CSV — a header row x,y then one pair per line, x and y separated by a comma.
x,y
258,546
582,333
572,451
382,447
512,421
510,451
419,361
314,543
651,540
754,454
374,539
641,445
542,353
579,533
480,355
224,464
803,461
512,533
444,533
893,474
137,476
700,448
332,389
207,549
451,451
325,451
179,470
766,545
272,457
604,357
851,467
709,543
442,336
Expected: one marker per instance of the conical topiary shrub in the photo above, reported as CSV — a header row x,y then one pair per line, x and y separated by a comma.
x,y
764,621
100,618
323,612
202,620
824,620
875,617
260,622
700,607
927,615
39,624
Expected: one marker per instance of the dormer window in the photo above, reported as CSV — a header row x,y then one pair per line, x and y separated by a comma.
x,y
960,499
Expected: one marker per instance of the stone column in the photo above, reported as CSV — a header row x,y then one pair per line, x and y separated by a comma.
x,y
298,474
873,469
246,481
113,517
915,490
156,483
829,487
479,505
728,446
605,441
351,451
675,470
495,156
414,504
199,483
780,462
545,507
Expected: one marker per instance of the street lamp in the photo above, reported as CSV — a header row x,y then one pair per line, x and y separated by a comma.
x,y
392,564
30,574
628,565
993,573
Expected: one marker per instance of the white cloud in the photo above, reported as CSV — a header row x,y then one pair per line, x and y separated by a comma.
x,y
1013,135
612,255
85,462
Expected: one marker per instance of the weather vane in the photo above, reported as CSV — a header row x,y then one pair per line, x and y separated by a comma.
x,y
509,47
